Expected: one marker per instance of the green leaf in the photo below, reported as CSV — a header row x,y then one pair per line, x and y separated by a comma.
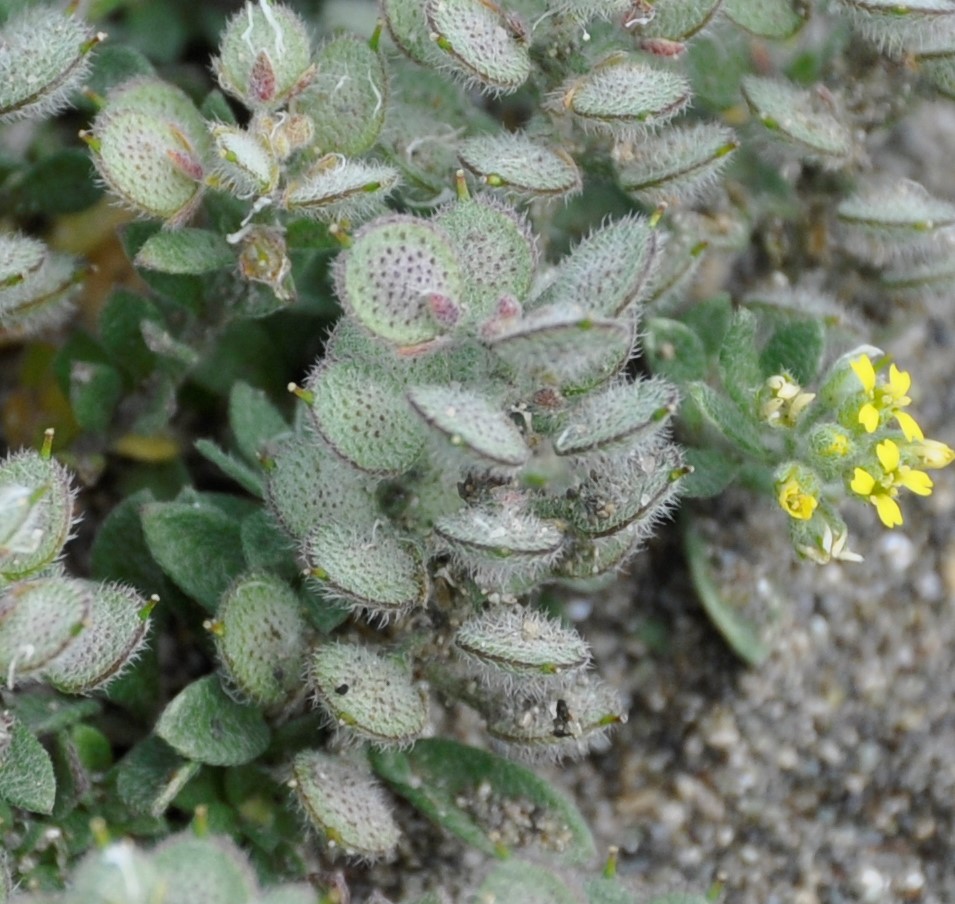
x,y
712,473
710,319
120,331
519,882
739,363
795,347
238,470
120,552
197,545
445,781
203,723
727,418
767,18
151,775
741,634
64,182
254,419
26,770
673,350
190,251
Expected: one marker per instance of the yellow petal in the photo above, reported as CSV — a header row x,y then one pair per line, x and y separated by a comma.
x,y
862,482
869,417
863,369
909,426
889,512
899,382
917,481
888,453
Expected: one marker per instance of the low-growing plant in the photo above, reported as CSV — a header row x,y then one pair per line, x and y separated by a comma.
x,y
473,242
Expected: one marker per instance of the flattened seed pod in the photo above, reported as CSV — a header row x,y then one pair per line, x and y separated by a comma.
x,y
481,43
368,696
375,571
345,805
519,642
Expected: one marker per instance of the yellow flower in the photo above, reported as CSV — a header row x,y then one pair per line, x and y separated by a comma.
x,y
882,490
885,398
930,453
795,498
783,401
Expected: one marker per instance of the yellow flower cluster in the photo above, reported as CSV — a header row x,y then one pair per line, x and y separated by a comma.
x,y
880,482
864,451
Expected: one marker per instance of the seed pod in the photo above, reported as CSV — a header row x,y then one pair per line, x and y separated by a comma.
x,y
523,643
345,805
614,421
36,285
265,56
208,868
151,147
677,166
377,571
623,96
500,544
36,512
569,724
482,44
496,250
368,696
799,117
111,638
260,638
387,277
471,423
612,268
335,188
348,99
307,486
44,58
518,164
363,415
38,619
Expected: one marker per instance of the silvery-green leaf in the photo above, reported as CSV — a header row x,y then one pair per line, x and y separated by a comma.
x,y
800,117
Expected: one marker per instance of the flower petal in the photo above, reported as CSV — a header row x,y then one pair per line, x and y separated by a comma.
x,y
917,481
862,482
863,369
888,453
899,382
909,426
889,512
869,417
